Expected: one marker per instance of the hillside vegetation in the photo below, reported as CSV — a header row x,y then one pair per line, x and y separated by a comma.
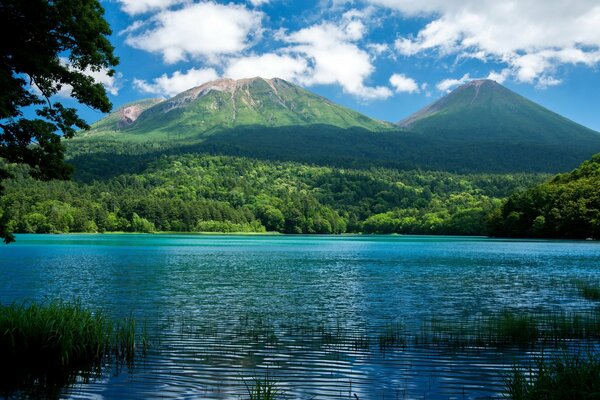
x,y
567,206
235,194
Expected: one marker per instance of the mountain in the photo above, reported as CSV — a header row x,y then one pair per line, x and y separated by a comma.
x,y
485,111
227,103
479,127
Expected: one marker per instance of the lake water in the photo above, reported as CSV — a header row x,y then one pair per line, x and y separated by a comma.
x,y
226,310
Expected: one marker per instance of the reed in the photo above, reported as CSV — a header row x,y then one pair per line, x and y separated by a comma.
x,y
587,290
566,376
44,345
263,389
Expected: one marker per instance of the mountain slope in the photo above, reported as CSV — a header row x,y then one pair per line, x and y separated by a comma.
x,y
568,206
485,111
480,127
228,103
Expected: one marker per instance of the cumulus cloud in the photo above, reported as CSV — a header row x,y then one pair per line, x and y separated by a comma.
x,y
448,84
532,38
334,57
203,30
404,84
268,66
134,7
258,3
111,84
178,82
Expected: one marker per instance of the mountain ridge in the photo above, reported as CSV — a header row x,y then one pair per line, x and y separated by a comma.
x,y
479,127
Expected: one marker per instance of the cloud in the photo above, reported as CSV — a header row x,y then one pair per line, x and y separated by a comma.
x,y
112,84
499,77
404,84
531,38
177,83
448,84
258,3
203,30
134,7
268,65
333,56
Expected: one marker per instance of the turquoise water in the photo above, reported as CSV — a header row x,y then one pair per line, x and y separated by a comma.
x,y
223,310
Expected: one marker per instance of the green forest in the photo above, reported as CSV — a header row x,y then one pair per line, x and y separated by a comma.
x,y
205,193
567,206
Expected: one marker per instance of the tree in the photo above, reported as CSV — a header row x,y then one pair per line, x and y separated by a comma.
x,y
53,45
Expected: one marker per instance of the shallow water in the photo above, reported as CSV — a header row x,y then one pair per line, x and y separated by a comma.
x,y
225,310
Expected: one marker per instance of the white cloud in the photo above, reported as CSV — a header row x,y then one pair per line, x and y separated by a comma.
x,y
177,83
404,84
201,30
267,66
334,57
258,3
111,84
448,84
499,77
530,37
134,7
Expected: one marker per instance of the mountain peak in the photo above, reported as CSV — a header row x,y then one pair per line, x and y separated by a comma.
x,y
226,103
485,110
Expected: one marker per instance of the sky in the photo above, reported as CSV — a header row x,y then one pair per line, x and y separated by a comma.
x,y
384,58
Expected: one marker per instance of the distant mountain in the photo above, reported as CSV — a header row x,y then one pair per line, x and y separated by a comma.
x,y
227,103
485,111
479,127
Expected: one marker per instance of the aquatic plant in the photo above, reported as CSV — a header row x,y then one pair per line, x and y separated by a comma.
x,y
566,376
510,328
393,335
263,389
588,290
44,346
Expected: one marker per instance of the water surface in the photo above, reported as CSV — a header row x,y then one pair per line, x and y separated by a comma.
x,y
223,310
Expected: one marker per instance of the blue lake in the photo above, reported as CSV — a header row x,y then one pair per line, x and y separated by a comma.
x,y
225,310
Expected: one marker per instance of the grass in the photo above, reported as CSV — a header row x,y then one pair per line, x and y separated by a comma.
x,y
45,346
263,389
566,376
510,328
587,290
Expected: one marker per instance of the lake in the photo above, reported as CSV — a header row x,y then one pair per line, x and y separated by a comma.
x,y
225,310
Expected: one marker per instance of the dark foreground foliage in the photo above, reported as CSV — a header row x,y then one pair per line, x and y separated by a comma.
x,y
45,347
564,377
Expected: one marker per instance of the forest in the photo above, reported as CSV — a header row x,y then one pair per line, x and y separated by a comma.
x,y
207,193
567,206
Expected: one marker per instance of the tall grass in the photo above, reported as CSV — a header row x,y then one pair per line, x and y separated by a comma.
x,y
44,346
568,376
263,389
588,290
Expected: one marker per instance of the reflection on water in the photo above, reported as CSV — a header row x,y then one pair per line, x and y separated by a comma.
x,y
225,309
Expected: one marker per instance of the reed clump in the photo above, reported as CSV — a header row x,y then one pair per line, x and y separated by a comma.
x,y
44,346
263,389
510,328
587,290
565,376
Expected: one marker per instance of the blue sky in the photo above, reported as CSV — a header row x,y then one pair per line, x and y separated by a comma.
x,y
385,58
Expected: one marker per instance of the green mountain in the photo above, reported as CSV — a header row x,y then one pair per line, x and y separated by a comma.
x,y
225,104
567,206
479,127
485,111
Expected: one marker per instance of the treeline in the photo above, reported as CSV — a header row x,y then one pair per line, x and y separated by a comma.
x,y
568,206
199,193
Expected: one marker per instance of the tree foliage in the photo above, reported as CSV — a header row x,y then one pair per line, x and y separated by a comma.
x,y
567,206
52,45
233,194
